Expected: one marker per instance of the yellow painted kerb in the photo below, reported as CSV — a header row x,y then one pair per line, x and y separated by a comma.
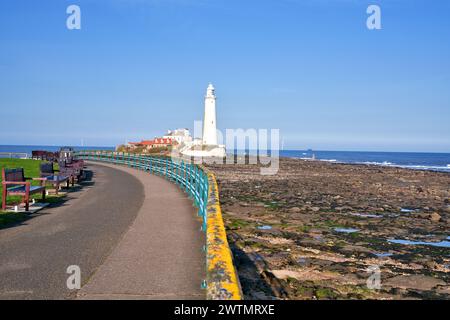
x,y
222,279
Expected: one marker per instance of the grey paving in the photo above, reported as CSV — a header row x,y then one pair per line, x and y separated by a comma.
x,y
160,256
134,236
34,255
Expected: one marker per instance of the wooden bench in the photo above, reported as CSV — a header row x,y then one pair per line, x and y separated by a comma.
x,y
14,184
46,169
44,155
72,168
48,174
37,154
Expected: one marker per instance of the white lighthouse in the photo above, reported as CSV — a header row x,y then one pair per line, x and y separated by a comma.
x,y
208,145
209,118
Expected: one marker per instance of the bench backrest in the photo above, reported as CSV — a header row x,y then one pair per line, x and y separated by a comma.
x,y
37,153
49,156
13,175
46,169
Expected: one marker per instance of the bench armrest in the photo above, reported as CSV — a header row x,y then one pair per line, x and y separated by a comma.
x,y
14,183
6,184
40,179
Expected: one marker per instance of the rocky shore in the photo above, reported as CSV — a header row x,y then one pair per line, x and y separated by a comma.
x,y
320,230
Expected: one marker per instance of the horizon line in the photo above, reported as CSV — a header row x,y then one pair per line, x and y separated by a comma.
x,y
308,150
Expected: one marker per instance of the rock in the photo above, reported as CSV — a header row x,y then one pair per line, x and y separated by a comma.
x,y
285,274
443,289
399,291
356,249
344,208
423,215
416,281
301,186
431,264
258,295
435,217
308,274
315,209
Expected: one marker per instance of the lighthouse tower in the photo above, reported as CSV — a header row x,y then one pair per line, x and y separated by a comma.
x,y
209,119
206,146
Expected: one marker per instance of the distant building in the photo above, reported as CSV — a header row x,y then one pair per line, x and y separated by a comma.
x,y
181,139
182,136
155,143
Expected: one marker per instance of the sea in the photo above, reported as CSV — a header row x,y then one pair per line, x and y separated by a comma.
x,y
411,160
4,149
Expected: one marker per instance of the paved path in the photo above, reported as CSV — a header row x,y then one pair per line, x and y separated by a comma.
x,y
160,256
120,232
34,256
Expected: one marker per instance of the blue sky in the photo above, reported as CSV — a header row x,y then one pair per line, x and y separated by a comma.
x,y
310,68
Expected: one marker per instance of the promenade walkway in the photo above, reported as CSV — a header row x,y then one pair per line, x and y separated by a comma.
x,y
133,235
160,256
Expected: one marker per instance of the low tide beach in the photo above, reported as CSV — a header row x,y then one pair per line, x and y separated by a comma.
x,y
347,225
321,230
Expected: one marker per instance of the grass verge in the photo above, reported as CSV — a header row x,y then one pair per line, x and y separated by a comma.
x,y
31,170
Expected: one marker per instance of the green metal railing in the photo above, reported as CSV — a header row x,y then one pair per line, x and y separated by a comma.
x,y
222,282
189,177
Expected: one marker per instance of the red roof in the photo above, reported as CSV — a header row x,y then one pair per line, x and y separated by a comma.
x,y
156,141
